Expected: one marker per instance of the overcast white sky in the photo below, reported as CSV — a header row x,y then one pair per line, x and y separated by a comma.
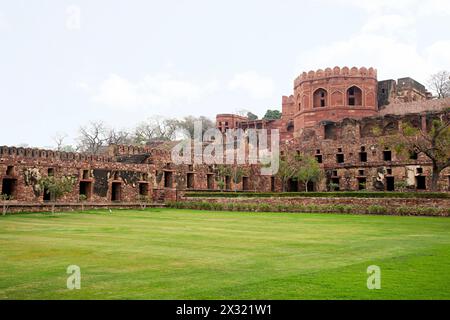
x,y
64,63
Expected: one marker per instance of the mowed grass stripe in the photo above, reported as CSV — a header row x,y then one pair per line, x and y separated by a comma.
x,y
167,254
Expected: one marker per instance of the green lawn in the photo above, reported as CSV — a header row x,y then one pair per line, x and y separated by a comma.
x,y
176,254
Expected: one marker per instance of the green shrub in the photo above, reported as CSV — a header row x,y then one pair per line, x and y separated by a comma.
x,y
350,209
346,194
340,208
264,207
403,211
428,211
375,209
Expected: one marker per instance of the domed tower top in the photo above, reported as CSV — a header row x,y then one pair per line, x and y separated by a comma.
x,y
334,94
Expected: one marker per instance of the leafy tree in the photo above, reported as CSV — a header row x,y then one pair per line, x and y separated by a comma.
x,y
223,171
272,115
287,169
188,124
221,185
57,187
434,144
308,170
251,116
237,174
333,186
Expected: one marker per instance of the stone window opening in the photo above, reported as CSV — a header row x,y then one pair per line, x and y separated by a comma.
x,y
190,181
85,189
47,196
245,183
340,158
290,126
361,173
318,151
389,171
413,155
167,179
354,96
320,98
335,173
143,189
228,182
86,175
319,159
210,181
311,186
330,132
421,183
293,185
387,155
9,187
363,156
390,184
362,184
419,170
337,183
10,171
50,172
116,191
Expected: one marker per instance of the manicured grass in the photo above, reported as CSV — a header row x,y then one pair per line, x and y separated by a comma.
x,y
185,254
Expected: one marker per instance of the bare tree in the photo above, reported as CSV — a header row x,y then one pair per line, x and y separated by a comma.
x,y
118,137
92,137
440,84
155,128
59,139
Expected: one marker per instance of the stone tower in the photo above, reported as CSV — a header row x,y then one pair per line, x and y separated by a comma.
x,y
331,95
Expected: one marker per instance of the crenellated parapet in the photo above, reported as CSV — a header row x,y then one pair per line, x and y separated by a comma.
x,y
334,94
335,72
288,99
35,153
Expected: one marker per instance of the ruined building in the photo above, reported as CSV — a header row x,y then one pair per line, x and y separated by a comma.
x,y
330,114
